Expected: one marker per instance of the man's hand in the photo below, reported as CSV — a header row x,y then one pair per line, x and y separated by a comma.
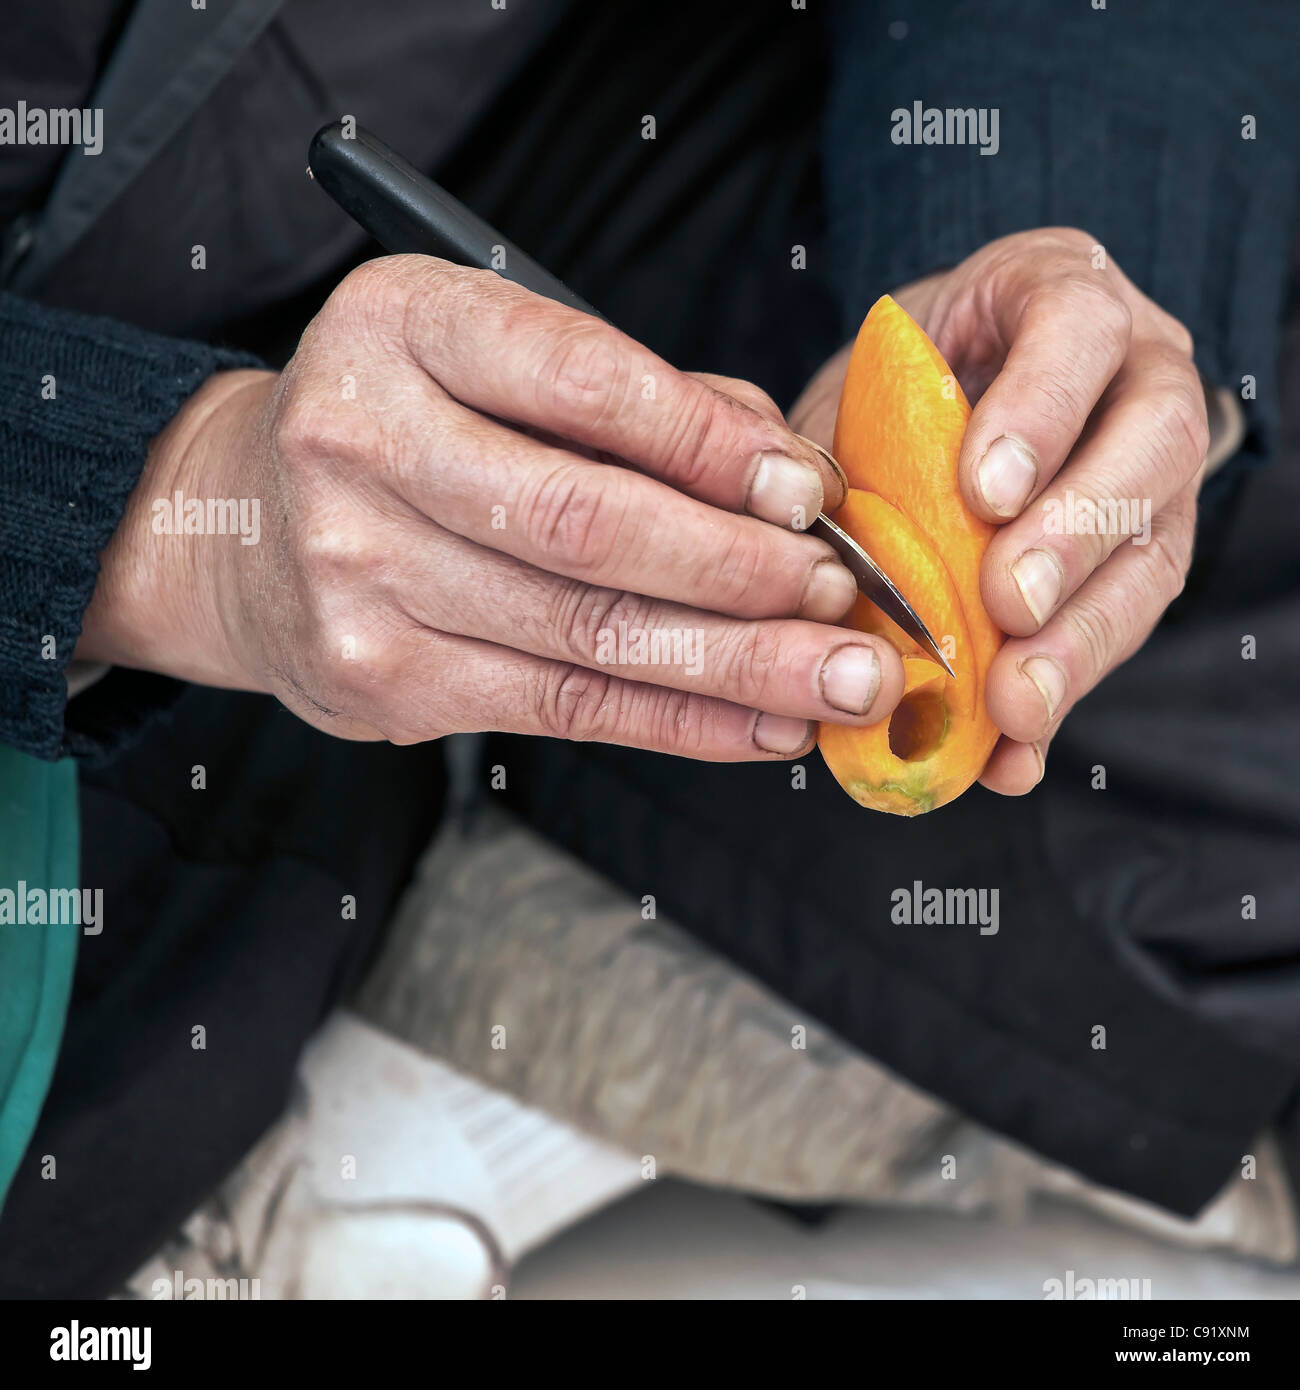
x,y
1087,445
481,510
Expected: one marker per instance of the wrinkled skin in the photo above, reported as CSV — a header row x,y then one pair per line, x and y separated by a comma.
x,y
1092,388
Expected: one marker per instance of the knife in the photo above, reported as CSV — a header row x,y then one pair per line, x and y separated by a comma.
x,y
406,212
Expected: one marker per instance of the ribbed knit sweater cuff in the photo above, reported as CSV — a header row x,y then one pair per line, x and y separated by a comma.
x,y
1127,122
80,400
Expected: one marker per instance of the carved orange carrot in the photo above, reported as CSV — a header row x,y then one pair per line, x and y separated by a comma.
x,y
899,429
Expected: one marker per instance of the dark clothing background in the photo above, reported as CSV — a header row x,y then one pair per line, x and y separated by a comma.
x,y
223,908
1118,907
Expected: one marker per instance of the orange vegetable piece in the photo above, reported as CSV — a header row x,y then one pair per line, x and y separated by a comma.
x,y
899,429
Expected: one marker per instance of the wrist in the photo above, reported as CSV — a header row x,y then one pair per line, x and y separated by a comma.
x,y
157,603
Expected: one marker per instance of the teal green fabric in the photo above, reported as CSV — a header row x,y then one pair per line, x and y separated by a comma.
x,y
39,848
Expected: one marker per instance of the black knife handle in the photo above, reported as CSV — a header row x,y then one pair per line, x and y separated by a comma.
x,y
406,212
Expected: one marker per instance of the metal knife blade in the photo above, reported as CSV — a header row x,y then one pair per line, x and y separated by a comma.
x,y
875,584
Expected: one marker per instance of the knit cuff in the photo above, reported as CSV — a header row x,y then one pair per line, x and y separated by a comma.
x,y
80,400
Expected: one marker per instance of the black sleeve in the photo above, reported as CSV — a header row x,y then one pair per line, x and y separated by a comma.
x,y
80,400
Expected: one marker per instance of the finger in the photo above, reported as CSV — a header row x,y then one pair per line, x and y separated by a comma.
x,y
1067,335
512,354
758,400
1035,680
423,685
781,666
1146,443
609,526
746,392
1014,769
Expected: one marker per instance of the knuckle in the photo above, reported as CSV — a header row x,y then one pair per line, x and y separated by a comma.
x,y
367,280
575,703
746,393
321,578
1055,393
448,303
1183,338
307,431
1108,316
740,570
377,290
355,665
701,437
752,396
1168,559
1097,633
1075,238
352,683
672,720
581,613
403,736
295,432
403,726
1176,430
1191,423
405,733
376,677
343,617
1177,332
582,378
1068,250
574,524
333,557
751,662
513,314
1086,549
1168,333
406,724
484,289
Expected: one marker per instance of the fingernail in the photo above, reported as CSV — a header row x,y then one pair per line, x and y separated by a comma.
x,y
832,463
1048,677
1038,577
785,492
1006,476
850,678
778,733
1042,761
829,592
